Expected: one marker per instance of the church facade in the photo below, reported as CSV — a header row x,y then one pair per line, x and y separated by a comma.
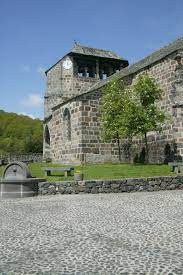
x,y
72,128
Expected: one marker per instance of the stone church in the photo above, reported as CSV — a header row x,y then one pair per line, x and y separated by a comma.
x,y
72,128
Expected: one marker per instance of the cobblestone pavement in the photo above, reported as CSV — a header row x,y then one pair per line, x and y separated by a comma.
x,y
129,233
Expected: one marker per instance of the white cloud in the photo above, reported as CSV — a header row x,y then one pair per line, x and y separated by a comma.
x,y
25,114
33,100
41,70
25,68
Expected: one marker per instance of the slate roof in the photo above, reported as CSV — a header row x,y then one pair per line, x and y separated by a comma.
x,y
136,67
144,63
83,50
80,49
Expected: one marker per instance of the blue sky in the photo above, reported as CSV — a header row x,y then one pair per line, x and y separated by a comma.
x,y
34,34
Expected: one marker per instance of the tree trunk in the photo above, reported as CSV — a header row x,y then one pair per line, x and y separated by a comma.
x,y
147,148
129,148
119,149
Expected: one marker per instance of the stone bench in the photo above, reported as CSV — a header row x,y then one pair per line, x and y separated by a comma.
x,y
67,171
176,167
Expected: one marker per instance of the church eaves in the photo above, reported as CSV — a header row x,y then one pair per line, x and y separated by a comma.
x,y
80,49
136,67
88,51
143,63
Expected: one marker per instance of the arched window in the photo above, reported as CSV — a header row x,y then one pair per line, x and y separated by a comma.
x,y
67,124
47,135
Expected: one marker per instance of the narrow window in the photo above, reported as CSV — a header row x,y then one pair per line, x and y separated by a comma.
x,y
67,124
47,135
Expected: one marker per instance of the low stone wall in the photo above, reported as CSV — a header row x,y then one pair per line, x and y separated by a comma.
x,y
26,157
111,186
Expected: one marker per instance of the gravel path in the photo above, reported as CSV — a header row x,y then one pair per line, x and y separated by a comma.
x,y
129,233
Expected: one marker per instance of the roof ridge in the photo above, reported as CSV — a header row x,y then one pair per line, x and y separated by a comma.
x,y
88,47
86,50
142,63
137,66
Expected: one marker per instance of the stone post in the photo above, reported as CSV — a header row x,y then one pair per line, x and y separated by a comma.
x,y
76,68
101,74
121,67
110,71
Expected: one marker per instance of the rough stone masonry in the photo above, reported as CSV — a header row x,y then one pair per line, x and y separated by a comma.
x,y
111,186
72,119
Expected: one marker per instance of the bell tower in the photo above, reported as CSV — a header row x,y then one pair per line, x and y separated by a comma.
x,y
77,71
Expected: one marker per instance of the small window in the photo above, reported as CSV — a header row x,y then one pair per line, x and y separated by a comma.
x,y
47,135
67,124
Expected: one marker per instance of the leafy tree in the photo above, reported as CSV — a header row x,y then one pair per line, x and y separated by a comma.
x,y
148,116
129,113
114,101
20,134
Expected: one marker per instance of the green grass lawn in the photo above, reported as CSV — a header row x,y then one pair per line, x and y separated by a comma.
x,y
102,171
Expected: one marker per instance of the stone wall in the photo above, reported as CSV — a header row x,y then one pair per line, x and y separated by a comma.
x,y
26,157
64,150
63,84
82,84
86,145
59,85
111,186
95,150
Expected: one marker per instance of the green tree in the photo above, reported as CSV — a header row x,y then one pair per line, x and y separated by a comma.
x,y
115,98
128,113
20,134
144,114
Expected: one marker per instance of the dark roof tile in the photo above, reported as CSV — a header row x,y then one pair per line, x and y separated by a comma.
x,y
80,49
144,63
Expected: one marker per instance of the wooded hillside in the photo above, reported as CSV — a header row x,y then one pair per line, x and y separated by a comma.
x,y
20,134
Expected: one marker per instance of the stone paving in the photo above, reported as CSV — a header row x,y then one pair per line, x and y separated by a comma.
x,y
129,233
